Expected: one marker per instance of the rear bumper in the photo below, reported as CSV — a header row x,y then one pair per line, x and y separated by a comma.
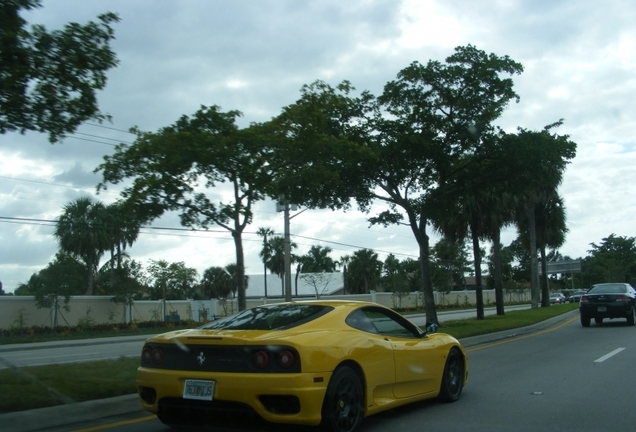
x,y
611,310
257,393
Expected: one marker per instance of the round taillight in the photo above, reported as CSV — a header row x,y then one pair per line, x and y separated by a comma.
x,y
146,354
261,359
157,356
286,358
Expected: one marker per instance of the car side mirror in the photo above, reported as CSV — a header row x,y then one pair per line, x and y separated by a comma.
x,y
431,327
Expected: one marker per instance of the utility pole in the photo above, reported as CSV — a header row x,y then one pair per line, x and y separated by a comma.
x,y
287,253
285,208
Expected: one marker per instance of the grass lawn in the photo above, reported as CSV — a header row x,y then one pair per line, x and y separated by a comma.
x,y
42,386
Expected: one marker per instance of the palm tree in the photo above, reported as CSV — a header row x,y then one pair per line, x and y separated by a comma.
x,y
364,271
550,231
317,260
233,271
534,163
123,229
276,262
216,283
80,231
462,218
265,253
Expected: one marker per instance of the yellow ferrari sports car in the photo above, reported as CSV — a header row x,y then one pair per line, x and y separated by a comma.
x,y
328,363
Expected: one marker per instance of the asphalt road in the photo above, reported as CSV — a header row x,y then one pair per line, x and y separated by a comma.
x,y
560,377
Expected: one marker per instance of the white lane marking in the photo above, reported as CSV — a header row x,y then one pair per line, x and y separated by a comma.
x,y
608,355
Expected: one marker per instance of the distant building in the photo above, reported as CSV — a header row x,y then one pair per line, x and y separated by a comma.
x,y
325,283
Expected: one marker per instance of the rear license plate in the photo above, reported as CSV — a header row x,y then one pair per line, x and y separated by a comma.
x,y
602,309
198,389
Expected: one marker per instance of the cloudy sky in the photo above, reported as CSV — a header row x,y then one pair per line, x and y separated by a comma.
x,y
253,56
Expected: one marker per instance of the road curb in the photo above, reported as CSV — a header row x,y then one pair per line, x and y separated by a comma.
x,y
74,342
512,333
55,416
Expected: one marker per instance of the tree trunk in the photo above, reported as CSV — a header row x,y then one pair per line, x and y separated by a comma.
x,y
240,269
545,285
477,260
89,265
496,256
534,265
427,283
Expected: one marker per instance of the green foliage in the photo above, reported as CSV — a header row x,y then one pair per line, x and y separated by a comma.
x,y
449,264
171,281
363,272
317,150
166,167
317,260
612,260
48,80
80,232
274,255
125,282
63,277
87,320
20,321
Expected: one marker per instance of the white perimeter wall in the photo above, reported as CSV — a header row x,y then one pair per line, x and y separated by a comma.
x,y
21,310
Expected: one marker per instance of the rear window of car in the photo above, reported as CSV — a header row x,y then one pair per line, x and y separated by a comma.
x,y
608,289
273,317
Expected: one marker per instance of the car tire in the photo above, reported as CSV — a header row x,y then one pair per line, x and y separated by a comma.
x,y
343,407
631,319
453,378
585,320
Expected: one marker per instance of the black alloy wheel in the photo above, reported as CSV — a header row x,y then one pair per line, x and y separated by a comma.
x,y
343,408
453,379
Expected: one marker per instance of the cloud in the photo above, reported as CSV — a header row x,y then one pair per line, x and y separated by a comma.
x,y
254,56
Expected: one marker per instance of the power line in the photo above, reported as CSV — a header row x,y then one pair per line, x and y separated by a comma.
x,y
41,182
111,128
50,222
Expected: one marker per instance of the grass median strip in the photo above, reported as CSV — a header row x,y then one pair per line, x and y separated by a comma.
x,y
511,320
43,386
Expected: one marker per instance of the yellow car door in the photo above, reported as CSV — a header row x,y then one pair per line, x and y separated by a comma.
x,y
418,366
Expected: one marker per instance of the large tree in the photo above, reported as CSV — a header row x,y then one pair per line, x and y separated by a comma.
x,y
61,278
429,121
171,281
49,79
531,163
613,259
176,168
81,231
